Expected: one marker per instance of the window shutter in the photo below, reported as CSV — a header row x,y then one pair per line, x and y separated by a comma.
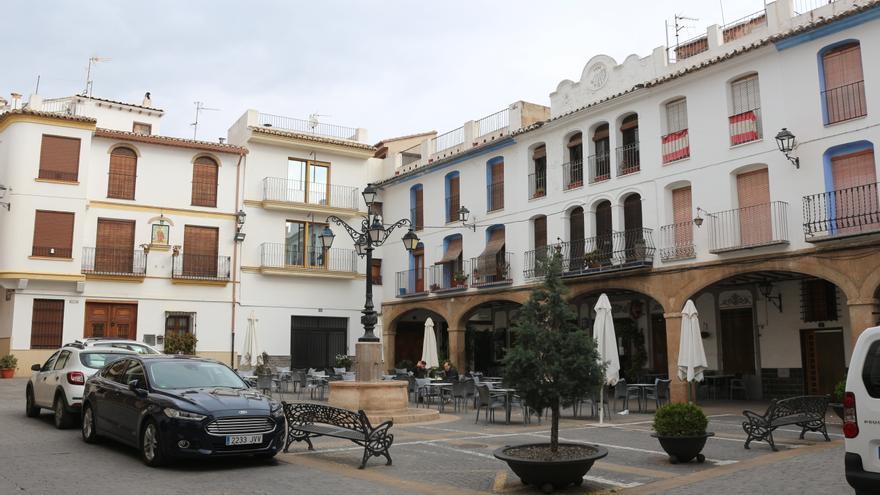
x,y
123,174
114,245
630,122
853,169
575,140
53,234
204,183
753,192
541,151
843,66
745,94
676,116
601,133
59,158
681,205
420,212
200,246
540,232
47,323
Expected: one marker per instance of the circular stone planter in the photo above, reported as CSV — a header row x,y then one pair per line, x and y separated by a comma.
x,y
837,407
549,475
684,449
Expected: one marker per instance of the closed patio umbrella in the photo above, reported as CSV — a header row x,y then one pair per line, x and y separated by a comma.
x,y
606,343
691,355
429,345
250,353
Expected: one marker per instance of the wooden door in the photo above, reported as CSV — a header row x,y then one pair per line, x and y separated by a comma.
x,y
738,341
114,246
111,320
682,217
855,192
824,360
755,222
200,246
658,343
576,239
419,270
604,245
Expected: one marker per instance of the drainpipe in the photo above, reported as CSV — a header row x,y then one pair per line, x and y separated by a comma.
x,y
238,172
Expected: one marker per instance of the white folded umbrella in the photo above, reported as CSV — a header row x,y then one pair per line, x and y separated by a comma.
x,y
691,355
606,342
429,345
250,354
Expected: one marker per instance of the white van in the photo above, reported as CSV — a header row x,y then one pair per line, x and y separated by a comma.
x,y
861,416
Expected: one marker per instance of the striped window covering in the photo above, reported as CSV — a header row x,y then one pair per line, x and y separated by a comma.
x,y
755,222
682,216
676,146
745,123
744,128
855,192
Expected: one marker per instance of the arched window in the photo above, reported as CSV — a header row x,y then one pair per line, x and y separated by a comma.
x,y
603,245
416,207
492,266
850,204
745,116
573,171
628,151
675,142
450,271
122,177
843,82
539,243
204,182
576,239
495,184
600,160
538,179
453,200
633,233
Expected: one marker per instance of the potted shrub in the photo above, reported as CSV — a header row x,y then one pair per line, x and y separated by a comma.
x,y
343,361
8,363
681,430
459,279
263,371
837,398
552,361
180,343
434,287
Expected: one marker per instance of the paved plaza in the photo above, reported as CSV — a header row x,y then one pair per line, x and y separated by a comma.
x,y
451,455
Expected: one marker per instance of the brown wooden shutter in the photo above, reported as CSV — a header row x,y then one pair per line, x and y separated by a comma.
x,y
631,122
59,158
200,245
601,133
47,323
420,209
540,232
204,184
540,152
575,140
681,205
53,234
114,246
753,191
843,66
123,174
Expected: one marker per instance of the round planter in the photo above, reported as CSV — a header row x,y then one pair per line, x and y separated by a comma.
x,y
837,407
684,449
551,475
7,372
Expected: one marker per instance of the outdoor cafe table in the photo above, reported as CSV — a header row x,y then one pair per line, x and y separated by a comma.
x,y
714,381
439,386
508,396
642,388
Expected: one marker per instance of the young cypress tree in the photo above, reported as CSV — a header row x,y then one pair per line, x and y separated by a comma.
x,y
552,361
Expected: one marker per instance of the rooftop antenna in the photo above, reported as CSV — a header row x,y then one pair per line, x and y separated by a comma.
x,y
92,61
313,121
679,26
200,107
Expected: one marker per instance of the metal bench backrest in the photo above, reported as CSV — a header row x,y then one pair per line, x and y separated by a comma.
x,y
812,405
302,413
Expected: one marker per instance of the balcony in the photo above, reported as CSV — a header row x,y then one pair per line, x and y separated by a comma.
x,y
497,122
292,260
453,203
677,241
633,248
447,277
111,262
537,185
200,267
748,228
628,159
534,259
495,196
572,175
297,195
675,146
845,102
600,167
841,213
307,127
490,271
745,127
411,155
411,283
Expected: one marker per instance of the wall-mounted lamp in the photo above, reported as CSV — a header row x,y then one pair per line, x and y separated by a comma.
x,y
787,142
765,288
698,220
5,204
463,214
239,224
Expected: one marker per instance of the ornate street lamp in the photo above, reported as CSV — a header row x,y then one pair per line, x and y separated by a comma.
x,y
372,234
788,142
463,214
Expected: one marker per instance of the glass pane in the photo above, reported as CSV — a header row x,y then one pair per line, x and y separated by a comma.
x,y
296,180
294,243
318,175
316,253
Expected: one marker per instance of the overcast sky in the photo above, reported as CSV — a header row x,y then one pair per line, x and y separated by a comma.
x,y
395,67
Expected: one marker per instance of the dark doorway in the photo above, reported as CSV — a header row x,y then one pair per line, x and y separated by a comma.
x,y
316,340
738,341
824,360
658,342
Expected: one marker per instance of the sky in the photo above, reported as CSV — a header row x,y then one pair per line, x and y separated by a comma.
x,y
394,67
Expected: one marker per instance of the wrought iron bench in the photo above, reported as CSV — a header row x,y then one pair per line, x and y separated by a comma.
x,y
806,411
307,420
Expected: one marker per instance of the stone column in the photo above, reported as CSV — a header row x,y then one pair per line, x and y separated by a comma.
x,y
389,340
456,349
678,391
861,316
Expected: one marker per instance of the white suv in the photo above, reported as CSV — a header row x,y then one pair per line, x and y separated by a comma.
x,y
58,384
861,415
132,345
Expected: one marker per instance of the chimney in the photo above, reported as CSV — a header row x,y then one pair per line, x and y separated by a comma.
x,y
148,102
16,100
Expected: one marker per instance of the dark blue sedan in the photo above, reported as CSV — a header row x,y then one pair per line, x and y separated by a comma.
x,y
180,406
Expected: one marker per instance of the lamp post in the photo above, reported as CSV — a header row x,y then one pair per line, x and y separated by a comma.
x,y
786,141
372,234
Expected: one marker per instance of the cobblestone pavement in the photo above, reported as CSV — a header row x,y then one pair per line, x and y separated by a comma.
x,y
448,456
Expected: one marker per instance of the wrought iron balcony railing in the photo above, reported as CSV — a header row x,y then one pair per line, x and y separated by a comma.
x,y
677,241
115,262
200,267
292,256
307,127
600,167
628,159
311,193
450,276
412,282
534,259
492,123
631,248
537,185
845,102
753,226
572,175
495,196
844,212
491,270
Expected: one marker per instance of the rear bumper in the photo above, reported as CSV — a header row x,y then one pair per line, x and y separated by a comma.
x,y
856,475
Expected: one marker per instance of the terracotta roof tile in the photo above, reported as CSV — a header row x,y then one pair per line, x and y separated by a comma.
x,y
312,137
115,102
170,141
52,115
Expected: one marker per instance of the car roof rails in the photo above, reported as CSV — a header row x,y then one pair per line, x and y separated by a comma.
x,y
76,343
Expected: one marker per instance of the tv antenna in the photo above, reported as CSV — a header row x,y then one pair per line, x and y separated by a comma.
x,y
89,83
679,26
313,121
200,107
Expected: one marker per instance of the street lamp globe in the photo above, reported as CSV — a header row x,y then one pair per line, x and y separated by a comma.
x,y
376,230
463,214
326,237
785,140
369,194
360,247
410,241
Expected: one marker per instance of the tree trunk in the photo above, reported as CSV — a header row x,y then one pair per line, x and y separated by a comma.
x,y
554,427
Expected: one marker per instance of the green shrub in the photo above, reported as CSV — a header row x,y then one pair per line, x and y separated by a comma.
x,y
839,391
406,364
343,361
680,420
8,361
180,343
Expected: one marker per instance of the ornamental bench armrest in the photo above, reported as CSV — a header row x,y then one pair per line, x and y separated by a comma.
x,y
754,417
381,431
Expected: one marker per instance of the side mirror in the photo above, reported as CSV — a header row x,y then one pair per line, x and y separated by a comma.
x,y
36,367
137,387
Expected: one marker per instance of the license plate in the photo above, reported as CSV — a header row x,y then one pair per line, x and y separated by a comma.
x,y
243,439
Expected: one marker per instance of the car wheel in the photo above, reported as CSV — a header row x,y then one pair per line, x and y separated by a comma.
x,y
89,434
63,418
151,447
30,409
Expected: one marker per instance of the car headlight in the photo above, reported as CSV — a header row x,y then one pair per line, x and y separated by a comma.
x,y
178,414
276,409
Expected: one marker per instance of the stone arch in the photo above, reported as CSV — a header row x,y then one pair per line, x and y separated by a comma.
x,y
466,309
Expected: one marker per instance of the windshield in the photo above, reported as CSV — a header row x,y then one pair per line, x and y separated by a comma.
x,y
131,346
169,375
97,360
